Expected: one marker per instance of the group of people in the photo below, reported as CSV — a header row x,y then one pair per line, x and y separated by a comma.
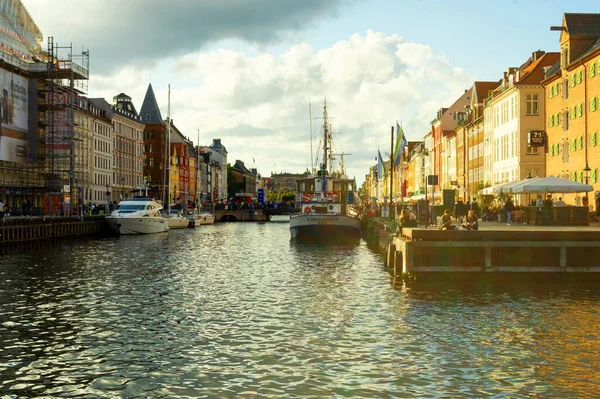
x,y
470,222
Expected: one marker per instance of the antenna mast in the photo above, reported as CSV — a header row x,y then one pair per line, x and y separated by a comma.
x,y
312,162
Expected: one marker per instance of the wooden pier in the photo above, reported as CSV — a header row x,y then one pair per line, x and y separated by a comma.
x,y
493,248
24,229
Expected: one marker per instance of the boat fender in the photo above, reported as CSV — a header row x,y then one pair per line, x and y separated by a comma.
x,y
307,210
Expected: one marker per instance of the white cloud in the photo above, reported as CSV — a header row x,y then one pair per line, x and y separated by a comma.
x,y
258,105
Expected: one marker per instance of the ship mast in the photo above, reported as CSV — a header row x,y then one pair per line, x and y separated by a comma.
x,y
325,137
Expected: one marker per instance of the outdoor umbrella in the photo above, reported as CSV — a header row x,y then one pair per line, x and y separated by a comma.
x,y
511,188
552,184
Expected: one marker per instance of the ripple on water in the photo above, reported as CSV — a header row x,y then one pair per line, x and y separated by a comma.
x,y
238,310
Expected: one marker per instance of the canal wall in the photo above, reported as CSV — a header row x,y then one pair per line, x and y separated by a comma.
x,y
542,250
19,229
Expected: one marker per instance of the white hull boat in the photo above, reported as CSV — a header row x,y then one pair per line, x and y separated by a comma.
x,y
139,215
177,221
279,218
205,218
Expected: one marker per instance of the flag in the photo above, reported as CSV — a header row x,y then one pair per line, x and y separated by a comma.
x,y
253,161
380,167
400,144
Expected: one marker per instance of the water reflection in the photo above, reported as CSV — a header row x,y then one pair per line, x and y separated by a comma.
x,y
238,310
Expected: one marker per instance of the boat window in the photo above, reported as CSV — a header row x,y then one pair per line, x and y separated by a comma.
x,y
132,207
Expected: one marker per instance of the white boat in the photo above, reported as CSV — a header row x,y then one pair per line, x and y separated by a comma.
x,y
326,201
279,218
176,220
205,218
139,215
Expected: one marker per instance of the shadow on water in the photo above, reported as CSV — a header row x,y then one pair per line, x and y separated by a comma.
x,y
540,285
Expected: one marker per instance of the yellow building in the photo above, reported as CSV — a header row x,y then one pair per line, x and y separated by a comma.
x,y
572,112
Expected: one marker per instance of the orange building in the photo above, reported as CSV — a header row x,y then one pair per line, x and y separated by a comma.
x,y
572,109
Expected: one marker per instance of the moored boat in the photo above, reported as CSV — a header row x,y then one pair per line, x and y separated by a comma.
x,y
205,218
325,201
279,218
139,215
176,220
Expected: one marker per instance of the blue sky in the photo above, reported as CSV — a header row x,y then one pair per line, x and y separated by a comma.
x,y
245,71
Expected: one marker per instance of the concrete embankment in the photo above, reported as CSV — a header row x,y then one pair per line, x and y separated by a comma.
x,y
27,229
493,248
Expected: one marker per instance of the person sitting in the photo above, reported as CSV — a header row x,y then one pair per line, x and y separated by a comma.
x,y
446,221
471,221
560,202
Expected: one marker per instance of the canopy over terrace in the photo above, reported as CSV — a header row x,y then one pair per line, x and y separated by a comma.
x,y
552,184
492,189
512,187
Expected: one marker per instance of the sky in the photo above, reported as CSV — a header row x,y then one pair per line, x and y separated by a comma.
x,y
245,71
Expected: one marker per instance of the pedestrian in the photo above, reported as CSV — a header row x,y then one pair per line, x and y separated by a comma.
x,y
446,221
471,221
548,212
1,210
508,208
539,212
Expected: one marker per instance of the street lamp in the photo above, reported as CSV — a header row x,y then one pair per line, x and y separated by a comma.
x,y
586,173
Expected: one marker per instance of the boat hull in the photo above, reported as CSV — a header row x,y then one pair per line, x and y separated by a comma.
x,y
177,222
279,218
141,225
325,228
205,219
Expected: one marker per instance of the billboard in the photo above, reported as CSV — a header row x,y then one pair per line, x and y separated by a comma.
x,y
13,117
59,132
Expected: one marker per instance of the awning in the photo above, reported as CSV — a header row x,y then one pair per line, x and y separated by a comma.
x,y
492,189
552,184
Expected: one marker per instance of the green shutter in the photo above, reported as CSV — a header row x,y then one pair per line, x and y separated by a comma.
x,y
572,80
551,150
593,104
593,139
578,76
556,90
573,175
579,110
580,142
593,175
580,177
550,121
592,70
557,149
573,112
573,145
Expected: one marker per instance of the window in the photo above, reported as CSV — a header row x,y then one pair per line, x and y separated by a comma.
x,y
566,152
565,89
532,104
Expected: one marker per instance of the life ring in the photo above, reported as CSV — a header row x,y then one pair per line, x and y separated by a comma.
x,y
307,198
307,210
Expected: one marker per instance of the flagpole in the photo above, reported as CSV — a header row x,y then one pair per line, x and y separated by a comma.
x,y
402,172
392,173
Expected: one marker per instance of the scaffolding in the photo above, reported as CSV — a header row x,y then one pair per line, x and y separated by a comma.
x,y
65,132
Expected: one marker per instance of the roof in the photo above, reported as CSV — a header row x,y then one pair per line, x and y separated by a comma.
x,y
583,24
150,112
241,167
483,90
534,73
217,146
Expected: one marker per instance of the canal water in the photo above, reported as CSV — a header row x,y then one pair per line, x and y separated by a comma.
x,y
238,311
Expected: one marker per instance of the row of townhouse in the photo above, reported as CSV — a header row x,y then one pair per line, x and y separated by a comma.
x,y
483,138
60,149
126,157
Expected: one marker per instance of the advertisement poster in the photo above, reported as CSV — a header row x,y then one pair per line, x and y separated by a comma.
x,y
13,117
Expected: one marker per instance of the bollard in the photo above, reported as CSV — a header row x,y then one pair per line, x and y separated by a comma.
x,y
391,256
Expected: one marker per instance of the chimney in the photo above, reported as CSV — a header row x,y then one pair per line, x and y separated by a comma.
x,y
536,55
